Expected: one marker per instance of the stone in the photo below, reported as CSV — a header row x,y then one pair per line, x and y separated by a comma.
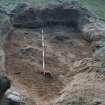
x,y
99,54
13,97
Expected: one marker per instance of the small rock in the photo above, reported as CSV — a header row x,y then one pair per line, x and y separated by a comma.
x,y
99,54
97,102
14,97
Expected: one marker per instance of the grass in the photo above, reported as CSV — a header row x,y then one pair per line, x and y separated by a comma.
x,y
97,6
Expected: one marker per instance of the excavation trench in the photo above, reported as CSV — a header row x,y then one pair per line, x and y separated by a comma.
x,y
64,46
24,60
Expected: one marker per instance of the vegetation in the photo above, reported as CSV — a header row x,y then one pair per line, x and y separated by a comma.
x,y
97,6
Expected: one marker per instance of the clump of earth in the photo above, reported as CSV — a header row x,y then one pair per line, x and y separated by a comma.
x,y
74,39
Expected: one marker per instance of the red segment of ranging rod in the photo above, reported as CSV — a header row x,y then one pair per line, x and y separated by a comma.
x,y
44,72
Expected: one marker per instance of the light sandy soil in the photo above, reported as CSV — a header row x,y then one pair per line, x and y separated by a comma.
x,y
24,61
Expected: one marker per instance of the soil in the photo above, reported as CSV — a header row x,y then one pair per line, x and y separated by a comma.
x,y
23,52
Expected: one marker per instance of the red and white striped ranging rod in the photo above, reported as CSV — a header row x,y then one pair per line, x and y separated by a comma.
x,y
43,53
44,72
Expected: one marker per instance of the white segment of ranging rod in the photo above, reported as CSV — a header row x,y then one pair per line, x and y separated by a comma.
x,y
43,52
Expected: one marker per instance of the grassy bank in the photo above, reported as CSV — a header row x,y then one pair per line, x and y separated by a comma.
x,y
97,6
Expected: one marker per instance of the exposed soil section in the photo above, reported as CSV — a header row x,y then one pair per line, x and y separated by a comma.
x,y
74,55
24,60
71,15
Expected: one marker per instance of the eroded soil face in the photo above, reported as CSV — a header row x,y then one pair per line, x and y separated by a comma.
x,y
24,60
